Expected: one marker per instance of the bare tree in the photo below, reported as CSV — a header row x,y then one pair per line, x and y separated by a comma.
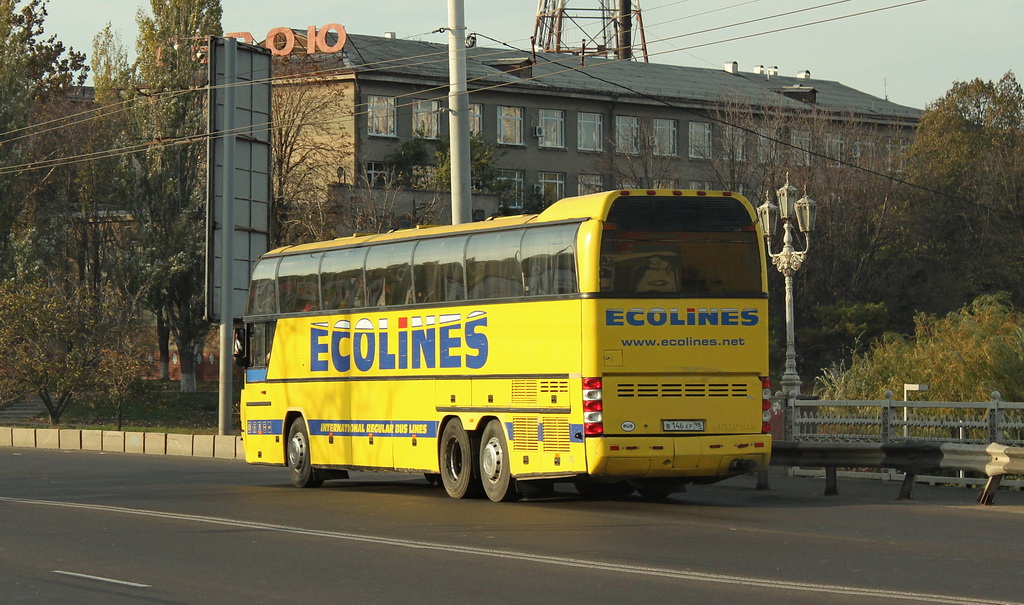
x,y
310,149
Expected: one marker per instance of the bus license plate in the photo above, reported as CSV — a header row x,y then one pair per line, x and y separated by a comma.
x,y
684,426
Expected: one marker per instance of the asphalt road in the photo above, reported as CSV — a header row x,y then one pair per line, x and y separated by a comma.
x,y
90,527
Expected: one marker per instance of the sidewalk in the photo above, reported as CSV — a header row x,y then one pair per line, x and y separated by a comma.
x,y
170,444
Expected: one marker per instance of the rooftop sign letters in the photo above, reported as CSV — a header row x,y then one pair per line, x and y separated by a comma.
x,y
281,40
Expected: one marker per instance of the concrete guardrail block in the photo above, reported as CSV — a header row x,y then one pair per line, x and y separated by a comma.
x,y
70,439
23,437
155,443
134,443
113,441
6,437
179,445
48,439
224,446
202,445
92,440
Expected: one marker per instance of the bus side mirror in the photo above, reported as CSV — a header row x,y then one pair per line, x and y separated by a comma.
x,y
241,347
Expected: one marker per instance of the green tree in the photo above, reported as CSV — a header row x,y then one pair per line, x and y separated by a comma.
x,y
963,356
965,233
60,342
36,73
170,191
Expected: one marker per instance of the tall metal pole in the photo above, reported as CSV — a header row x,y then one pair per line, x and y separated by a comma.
x,y
458,116
227,230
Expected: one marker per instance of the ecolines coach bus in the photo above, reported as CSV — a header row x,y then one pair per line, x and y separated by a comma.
x,y
617,340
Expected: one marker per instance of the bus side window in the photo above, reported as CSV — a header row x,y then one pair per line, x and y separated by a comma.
x,y
549,265
341,279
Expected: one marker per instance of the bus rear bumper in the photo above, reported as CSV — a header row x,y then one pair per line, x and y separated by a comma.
x,y
690,456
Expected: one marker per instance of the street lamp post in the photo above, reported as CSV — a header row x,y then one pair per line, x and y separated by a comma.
x,y
788,260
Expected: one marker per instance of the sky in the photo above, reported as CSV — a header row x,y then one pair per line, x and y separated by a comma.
x,y
908,51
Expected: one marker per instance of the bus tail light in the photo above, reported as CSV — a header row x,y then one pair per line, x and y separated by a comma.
x,y
766,404
593,408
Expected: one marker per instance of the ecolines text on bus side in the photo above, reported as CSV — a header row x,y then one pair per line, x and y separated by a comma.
x,y
687,317
427,342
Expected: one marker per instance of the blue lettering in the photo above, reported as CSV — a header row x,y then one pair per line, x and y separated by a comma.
x,y
657,317
342,362
478,342
613,317
423,348
749,316
317,350
708,317
387,359
635,317
449,342
674,319
730,317
364,349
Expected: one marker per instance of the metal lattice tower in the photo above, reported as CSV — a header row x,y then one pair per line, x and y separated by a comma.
x,y
606,30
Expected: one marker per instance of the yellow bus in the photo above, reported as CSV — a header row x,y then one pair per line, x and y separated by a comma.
x,y
617,340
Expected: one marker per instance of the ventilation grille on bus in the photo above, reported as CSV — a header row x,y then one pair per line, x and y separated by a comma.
x,y
550,434
652,389
526,391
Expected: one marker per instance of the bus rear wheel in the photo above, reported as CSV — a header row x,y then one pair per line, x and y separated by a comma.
x,y
495,475
299,466
457,462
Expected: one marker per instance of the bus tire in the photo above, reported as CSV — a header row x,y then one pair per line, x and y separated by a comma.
x,y
299,465
457,462
495,475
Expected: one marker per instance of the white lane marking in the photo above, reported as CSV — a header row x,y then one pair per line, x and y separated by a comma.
x,y
101,579
679,574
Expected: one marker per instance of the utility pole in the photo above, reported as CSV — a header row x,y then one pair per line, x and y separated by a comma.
x,y
458,115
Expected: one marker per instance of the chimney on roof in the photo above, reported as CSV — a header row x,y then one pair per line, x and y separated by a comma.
x,y
773,71
732,68
759,69
804,75
389,35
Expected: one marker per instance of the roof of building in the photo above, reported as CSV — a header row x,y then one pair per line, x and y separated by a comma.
x,y
676,85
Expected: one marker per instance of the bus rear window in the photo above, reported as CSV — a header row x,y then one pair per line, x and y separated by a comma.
x,y
656,246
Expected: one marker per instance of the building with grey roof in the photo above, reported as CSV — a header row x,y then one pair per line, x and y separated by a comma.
x,y
564,124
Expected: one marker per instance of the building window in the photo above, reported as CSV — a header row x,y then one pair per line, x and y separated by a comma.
x,y
627,134
666,183
377,174
664,140
552,128
590,131
767,148
734,145
516,180
590,183
700,140
702,185
801,140
476,118
895,154
380,113
426,119
835,148
510,125
551,186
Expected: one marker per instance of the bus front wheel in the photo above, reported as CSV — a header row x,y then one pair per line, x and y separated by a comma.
x,y
299,466
456,460
495,474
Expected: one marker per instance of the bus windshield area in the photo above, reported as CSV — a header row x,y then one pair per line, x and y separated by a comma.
x,y
685,250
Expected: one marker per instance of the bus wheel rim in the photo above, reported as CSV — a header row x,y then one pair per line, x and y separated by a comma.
x,y
297,451
490,460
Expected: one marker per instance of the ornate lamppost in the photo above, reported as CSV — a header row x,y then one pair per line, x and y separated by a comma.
x,y
788,260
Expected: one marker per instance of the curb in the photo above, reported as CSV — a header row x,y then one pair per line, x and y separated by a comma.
x,y
166,444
